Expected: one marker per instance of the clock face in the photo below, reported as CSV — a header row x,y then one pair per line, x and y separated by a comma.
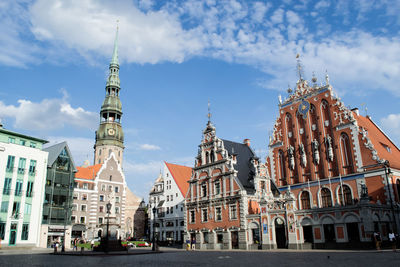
x,y
111,131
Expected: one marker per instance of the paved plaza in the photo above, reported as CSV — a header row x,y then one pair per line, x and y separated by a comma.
x,y
175,257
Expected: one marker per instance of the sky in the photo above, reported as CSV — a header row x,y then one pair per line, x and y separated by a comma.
x,y
175,56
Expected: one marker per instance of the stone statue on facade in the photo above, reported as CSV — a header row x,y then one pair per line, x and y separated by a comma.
x,y
315,149
290,152
328,141
303,155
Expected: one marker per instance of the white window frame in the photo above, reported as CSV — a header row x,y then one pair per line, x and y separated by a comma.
x,y
216,217
231,213
104,199
84,205
202,215
80,221
190,217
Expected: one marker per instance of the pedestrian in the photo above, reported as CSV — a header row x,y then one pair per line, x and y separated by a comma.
x,y
392,240
76,244
378,240
193,243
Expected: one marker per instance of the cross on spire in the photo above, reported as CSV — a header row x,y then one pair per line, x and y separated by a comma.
x,y
209,112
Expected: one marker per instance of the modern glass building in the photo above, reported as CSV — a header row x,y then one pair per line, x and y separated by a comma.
x,y
57,203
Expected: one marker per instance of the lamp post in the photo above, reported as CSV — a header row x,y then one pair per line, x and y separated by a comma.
x,y
154,229
108,206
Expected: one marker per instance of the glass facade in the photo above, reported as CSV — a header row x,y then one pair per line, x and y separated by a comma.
x,y
59,191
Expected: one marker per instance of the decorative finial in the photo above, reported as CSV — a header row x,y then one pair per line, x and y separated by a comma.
x,y
314,79
299,67
209,112
289,90
280,99
326,77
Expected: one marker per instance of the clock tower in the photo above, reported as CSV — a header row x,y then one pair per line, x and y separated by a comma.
x,y
109,136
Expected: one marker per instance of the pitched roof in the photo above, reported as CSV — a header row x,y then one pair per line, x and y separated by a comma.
x,y
244,154
181,175
55,151
88,172
381,142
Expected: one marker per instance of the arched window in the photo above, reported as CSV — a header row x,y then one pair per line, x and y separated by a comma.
x,y
212,156
326,197
345,195
282,167
305,200
207,158
346,153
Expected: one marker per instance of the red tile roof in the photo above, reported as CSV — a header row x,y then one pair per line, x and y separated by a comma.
x,y
181,175
88,172
381,142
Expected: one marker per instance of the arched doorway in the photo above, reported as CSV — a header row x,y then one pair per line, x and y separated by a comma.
x,y
280,233
307,232
99,233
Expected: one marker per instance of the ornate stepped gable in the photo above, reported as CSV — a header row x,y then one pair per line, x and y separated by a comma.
x,y
316,136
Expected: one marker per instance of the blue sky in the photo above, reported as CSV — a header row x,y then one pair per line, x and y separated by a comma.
x,y
177,55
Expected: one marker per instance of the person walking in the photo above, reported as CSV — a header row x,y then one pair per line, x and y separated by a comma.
x,y
392,240
76,244
193,244
378,240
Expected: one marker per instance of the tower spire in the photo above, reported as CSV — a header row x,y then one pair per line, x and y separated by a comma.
x,y
114,59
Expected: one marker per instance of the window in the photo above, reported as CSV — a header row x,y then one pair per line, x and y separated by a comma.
x,y
205,237
110,188
116,199
22,142
212,157
192,216
101,198
233,212
4,206
18,187
84,197
167,210
172,197
85,186
218,214
33,145
346,153
217,188
25,232
204,215
103,187
167,198
10,163
83,207
7,186
345,195
82,220
28,208
11,140
116,210
203,190
305,200
176,194
21,165
100,220
171,210
74,207
73,219
116,189
29,189
15,211
220,238
76,196
2,229
32,167
326,197
101,208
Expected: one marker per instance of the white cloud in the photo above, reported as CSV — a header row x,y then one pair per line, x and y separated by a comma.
x,y
149,147
277,17
49,114
140,168
391,124
88,27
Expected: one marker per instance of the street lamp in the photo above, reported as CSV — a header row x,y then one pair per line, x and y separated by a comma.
x,y
154,228
108,206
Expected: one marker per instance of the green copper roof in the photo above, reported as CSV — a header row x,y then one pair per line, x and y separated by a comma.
x,y
114,59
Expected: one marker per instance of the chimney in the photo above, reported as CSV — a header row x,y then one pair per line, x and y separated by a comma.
x,y
356,111
246,142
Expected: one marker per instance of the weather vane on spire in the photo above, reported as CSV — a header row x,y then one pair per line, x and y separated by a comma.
x,y
299,67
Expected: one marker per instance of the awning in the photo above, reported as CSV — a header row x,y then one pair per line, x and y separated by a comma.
x,y
79,227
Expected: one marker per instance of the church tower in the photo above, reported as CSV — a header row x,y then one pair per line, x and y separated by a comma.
x,y
109,136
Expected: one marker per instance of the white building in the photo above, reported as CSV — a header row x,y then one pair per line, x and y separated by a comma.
x,y
23,167
167,196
